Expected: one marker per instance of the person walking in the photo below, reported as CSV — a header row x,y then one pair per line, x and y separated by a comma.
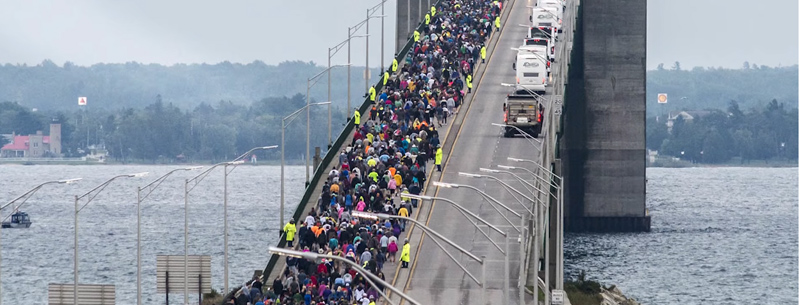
x,y
356,117
469,83
439,158
405,256
483,54
289,229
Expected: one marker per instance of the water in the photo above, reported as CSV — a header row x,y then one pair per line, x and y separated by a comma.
x,y
719,236
43,254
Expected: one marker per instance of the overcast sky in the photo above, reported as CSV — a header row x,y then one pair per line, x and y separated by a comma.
x,y
695,32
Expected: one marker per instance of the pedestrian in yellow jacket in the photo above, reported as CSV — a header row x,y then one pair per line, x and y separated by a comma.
x,y
385,79
372,94
483,54
469,83
357,117
497,22
405,256
416,35
289,229
394,64
439,158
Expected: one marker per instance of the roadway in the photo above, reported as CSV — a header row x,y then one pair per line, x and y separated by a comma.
x,y
434,278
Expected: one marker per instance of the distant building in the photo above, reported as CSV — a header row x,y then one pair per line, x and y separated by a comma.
x,y
688,116
33,146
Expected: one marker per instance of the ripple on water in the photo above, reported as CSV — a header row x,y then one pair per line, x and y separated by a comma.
x,y
42,254
719,236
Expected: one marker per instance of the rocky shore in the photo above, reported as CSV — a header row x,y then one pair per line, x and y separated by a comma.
x,y
613,296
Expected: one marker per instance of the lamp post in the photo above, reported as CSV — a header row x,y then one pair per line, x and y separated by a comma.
x,y
24,197
481,260
283,148
507,186
526,135
335,50
152,186
367,275
537,164
233,163
559,227
486,196
350,36
464,212
99,189
504,251
186,189
309,84
524,183
551,183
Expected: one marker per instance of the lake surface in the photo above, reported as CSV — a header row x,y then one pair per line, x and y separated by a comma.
x,y
719,236
43,254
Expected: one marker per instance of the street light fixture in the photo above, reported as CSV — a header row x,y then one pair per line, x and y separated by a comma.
x,y
481,260
309,84
290,117
152,186
233,163
524,183
99,189
464,212
537,164
551,183
367,275
24,197
486,196
335,50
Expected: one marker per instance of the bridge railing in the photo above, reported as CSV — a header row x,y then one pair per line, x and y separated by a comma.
x,y
333,152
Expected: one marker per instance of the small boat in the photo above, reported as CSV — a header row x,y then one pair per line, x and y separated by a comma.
x,y
18,220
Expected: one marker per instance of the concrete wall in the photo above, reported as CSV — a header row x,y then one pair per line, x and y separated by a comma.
x,y
604,160
403,7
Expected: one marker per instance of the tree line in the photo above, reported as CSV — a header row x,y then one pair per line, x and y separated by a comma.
x,y
162,132
720,136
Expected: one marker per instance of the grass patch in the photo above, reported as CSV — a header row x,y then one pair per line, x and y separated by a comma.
x,y
582,291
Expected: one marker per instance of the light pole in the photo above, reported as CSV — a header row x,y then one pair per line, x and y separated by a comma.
x,y
233,163
464,212
486,196
367,275
186,189
507,187
551,183
350,36
152,186
99,189
524,183
537,164
335,50
283,148
505,235
24,197
526,135
481,260
309,84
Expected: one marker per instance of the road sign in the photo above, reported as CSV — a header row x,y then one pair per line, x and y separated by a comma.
x,y
557,297
169,273
62,294
82,101
662,98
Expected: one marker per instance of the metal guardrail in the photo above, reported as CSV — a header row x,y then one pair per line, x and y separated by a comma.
x,y
332,152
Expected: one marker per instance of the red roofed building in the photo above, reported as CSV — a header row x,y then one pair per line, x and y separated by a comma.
x,y
35,145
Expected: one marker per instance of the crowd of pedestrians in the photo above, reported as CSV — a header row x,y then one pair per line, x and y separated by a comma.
x,y
391,151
